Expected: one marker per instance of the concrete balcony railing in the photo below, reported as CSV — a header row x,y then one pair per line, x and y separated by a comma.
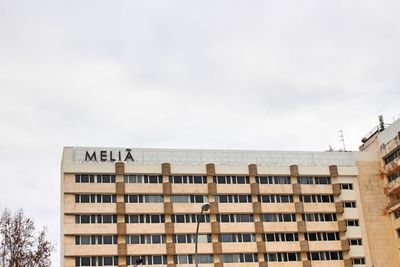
x,y
244,247
273,227
393,187
319,207
313,189
276,189
233,189
322,226
88,229
282,246
245,227
278,207
90,208
92,250
394,205
152,249
325,245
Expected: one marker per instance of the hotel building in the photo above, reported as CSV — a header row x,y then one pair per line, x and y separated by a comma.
x,y
268,208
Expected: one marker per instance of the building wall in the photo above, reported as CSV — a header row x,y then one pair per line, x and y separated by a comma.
x,y
362,175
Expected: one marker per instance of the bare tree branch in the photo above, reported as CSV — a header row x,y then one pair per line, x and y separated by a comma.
x,y
19,244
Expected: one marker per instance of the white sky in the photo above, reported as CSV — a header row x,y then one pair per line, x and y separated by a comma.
x,y
271,75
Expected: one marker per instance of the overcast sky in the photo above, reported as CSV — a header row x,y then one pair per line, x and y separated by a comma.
x,y
270,75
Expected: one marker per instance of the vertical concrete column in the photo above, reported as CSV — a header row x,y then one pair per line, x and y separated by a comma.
x,y
258,224
168,211
333,172
299,210
120,206
215,227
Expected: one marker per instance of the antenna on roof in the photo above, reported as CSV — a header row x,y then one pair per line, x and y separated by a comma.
x,y
381,123
342,139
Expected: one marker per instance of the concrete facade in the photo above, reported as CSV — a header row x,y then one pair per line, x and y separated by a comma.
x,y
283,208
385,192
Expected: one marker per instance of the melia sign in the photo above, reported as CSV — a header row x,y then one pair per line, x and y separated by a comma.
x,y
103,155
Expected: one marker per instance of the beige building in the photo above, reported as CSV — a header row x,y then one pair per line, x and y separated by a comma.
x,y
268,208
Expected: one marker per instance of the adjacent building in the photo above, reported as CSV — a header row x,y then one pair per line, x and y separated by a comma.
x,y
268,208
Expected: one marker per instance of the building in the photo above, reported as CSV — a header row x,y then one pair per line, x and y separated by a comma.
x,y
385,141
268,208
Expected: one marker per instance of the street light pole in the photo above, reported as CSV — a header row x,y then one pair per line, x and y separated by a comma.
x,y
205,207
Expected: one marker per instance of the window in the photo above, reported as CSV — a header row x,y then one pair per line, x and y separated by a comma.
x,y
191,238
100,218
80,198
145,239
305,180
147,260
190,218
189,199
188,179
146,179
350,204
322,236
96,261
346,186
92,178
230,218
231,179
314,180
282,256
144,218
352,223
393,177
96,239
237,238
323,180
236,258
358,261
233,198
275,198
189,259
317,198
143,198
355,242
319,217
278,217
396,214
280,237
391,157
273,179
325,255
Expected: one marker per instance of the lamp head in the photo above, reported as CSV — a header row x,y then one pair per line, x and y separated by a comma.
x,y
205,207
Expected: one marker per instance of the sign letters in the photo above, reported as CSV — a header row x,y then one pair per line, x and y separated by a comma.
x,y
109,156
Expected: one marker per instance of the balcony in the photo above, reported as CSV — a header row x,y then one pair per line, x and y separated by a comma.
x,y
312,189
273,227
188,248
319,207
324,245
92,250
243,227
282,246
278,207
276,189
233,189
90,208
322,226
151,249
394,205
88,229
242,247
147,208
